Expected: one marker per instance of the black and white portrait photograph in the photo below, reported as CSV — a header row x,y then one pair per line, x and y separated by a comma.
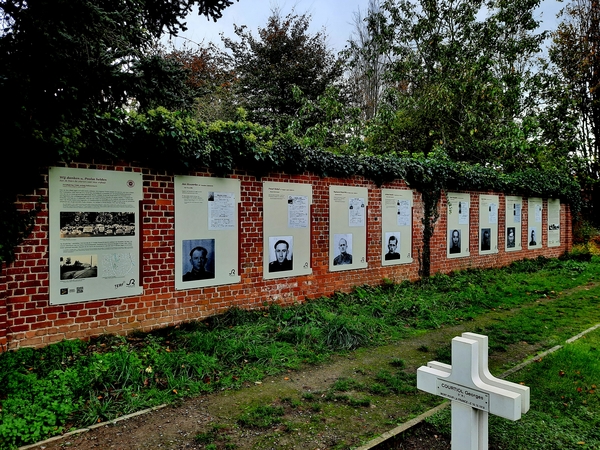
x,y
533,236
486,239
281,250
510,237
392,240
342,249
198,259
454,244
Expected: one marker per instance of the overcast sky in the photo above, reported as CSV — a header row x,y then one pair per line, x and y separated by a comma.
x,y
336,16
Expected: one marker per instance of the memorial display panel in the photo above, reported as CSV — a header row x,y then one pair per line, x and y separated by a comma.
x,y
286,229
513,220
94,234
206,231
458,225
348,227
553,222
396,224
534,223
488,224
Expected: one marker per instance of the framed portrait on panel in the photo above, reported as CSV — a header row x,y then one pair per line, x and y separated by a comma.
x,y
485,244
396,224
198,260
533,236
206,231
512,223
286,229
343,249
534,223
281,253
347,227
511,240
392,240
458,225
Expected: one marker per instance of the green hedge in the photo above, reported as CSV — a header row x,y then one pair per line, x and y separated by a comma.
x,y
176,142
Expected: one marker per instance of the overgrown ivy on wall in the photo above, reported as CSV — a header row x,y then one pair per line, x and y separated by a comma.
x,y
176,143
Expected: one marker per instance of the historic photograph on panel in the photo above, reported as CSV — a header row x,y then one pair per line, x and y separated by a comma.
x,y
517,212
93,234
463,213
198,259
343,249
510,237
454,244
281,252
96,224
533,236
78,266
393,245
404,213
486,239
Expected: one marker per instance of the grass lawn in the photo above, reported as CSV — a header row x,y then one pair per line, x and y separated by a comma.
x,y
47,391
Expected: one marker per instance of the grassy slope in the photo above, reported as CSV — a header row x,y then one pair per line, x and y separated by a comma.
x,y
43,392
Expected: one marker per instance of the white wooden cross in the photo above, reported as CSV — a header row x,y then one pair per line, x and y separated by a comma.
x,y
473,390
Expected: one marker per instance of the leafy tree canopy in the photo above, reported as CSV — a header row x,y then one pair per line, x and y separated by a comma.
x,y
63,60
570,119
460,77
65,63
212,80
575,54
283,55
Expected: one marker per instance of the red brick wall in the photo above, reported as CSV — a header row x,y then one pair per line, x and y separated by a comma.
x,y
440,263
28,319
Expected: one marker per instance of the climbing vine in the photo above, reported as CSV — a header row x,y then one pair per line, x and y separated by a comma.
x,y
176,142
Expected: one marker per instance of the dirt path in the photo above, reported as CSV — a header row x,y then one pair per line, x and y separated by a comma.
x,y
306,425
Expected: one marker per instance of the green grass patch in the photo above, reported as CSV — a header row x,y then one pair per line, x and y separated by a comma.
x,y
47,391
261,416
216,437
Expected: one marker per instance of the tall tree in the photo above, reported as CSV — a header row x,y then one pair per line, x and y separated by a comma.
x,y
212,79
62,62
283,55
575,100
366,62
461,76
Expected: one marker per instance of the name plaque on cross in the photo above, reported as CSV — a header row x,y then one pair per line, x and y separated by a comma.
x,y
457,393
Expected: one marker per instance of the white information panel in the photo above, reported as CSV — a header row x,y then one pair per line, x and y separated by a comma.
x,y
512,232
396,228
206,231
458,225
553,222
286,229
94,234
348,227
488,224
534,223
